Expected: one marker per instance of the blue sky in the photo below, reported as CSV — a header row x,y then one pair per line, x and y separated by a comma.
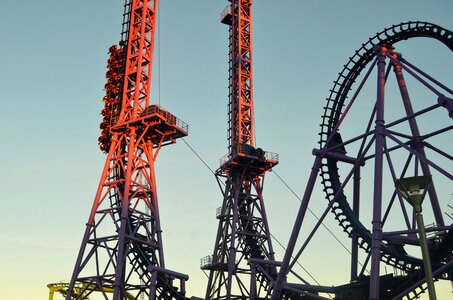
x,y
53,57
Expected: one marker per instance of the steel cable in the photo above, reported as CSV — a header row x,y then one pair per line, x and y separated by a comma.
x,y
275,239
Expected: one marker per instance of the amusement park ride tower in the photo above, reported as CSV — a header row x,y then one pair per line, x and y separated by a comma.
x,y
241,264
121,255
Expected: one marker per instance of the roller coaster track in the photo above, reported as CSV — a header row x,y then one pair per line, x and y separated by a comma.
x,y
393,255
254,249
143,257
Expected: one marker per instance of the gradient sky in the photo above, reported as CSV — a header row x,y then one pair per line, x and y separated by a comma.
x,y
53,61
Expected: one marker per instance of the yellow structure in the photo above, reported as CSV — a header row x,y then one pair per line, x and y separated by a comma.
x,y
62,287
81,290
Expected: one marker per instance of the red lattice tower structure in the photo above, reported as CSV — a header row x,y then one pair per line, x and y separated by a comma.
x,y
242,264
121,255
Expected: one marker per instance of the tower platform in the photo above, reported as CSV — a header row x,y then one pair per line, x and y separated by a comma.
x,y
256,160
158,125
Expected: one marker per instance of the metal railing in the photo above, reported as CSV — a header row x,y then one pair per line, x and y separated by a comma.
x,y
251,152
219,212
225,13
223,160
208,261
271,156
169,117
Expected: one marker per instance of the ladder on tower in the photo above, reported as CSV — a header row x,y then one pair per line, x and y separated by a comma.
x,y
126,21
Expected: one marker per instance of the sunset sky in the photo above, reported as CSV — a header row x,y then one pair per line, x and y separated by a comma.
x,y
52,72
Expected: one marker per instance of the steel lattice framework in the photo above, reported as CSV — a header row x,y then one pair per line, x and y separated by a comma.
x,y
121,255
241,125
138,66
242,264
405,142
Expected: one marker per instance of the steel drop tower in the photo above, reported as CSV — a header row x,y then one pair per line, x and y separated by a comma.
x,y
242,263
121,255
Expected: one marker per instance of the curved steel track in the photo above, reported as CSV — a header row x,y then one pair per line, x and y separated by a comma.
x,y
392,254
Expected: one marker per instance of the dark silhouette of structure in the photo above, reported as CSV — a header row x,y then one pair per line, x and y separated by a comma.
x,y
376,158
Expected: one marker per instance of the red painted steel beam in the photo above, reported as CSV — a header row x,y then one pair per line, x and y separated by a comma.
x,y
122,250
241,85
139,63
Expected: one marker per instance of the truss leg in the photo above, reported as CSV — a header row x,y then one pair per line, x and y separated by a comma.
x,y
276,293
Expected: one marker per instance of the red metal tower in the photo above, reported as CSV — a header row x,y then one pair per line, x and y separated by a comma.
x,y
121,255
242,262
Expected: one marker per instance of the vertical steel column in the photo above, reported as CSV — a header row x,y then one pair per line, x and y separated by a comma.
x,y
154,200
356,210
425,251
252,281
219,236
236,186
259,190
377,200
152,293
118,292
416,134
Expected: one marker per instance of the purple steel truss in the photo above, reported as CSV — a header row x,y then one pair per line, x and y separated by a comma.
x,y
400,150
